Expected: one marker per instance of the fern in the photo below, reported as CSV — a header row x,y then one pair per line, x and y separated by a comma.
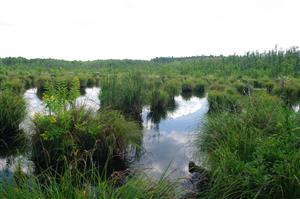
x,y
60,95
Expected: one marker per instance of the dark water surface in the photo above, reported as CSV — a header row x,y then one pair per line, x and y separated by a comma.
x,y
167,143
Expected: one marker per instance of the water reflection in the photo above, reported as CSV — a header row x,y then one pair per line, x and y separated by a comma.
x,y
90,99
171,142
11,163
168,139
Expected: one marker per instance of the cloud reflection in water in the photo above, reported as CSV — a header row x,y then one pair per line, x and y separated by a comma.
x,y
171,142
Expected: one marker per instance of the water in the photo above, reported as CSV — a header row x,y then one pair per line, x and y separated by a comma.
x,y
167,143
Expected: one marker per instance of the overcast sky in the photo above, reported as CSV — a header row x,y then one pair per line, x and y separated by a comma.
x,y
143,29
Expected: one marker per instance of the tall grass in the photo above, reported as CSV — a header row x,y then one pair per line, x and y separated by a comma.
x,y
253,153
12,113
124,94
132,186
223,101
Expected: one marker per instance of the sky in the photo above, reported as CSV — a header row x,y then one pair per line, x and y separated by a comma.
x,y
144,29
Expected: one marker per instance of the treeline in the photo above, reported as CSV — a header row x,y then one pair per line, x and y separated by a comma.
x,y
52,63
273,63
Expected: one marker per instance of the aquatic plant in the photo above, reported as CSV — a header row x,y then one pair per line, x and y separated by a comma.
x,y
223,101
199,89
253,153
120,185
187,86
41,84
70,135
13,111
127,98
288,90
243,89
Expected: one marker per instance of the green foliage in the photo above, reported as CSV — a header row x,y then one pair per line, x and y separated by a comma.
x,y
70,134
136,186
59,95
77,136
199,89
12,113
159,99
243,89
222,101
251,141
253,153
15,85
124,94
288,90
187,86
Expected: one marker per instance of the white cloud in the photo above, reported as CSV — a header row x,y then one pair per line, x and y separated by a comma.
x,y
142,29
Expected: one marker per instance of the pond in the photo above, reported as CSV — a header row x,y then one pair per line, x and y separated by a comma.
x,y
167,142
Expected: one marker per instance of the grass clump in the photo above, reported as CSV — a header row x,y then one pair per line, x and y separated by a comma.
x,y
242,88
81,138
70,135
288,90
135,186
253,153
199,89
125,97
13,111
223,101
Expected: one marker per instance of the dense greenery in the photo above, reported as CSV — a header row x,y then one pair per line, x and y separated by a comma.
x,y
138,186
250,136
12,113
79,138
253,153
